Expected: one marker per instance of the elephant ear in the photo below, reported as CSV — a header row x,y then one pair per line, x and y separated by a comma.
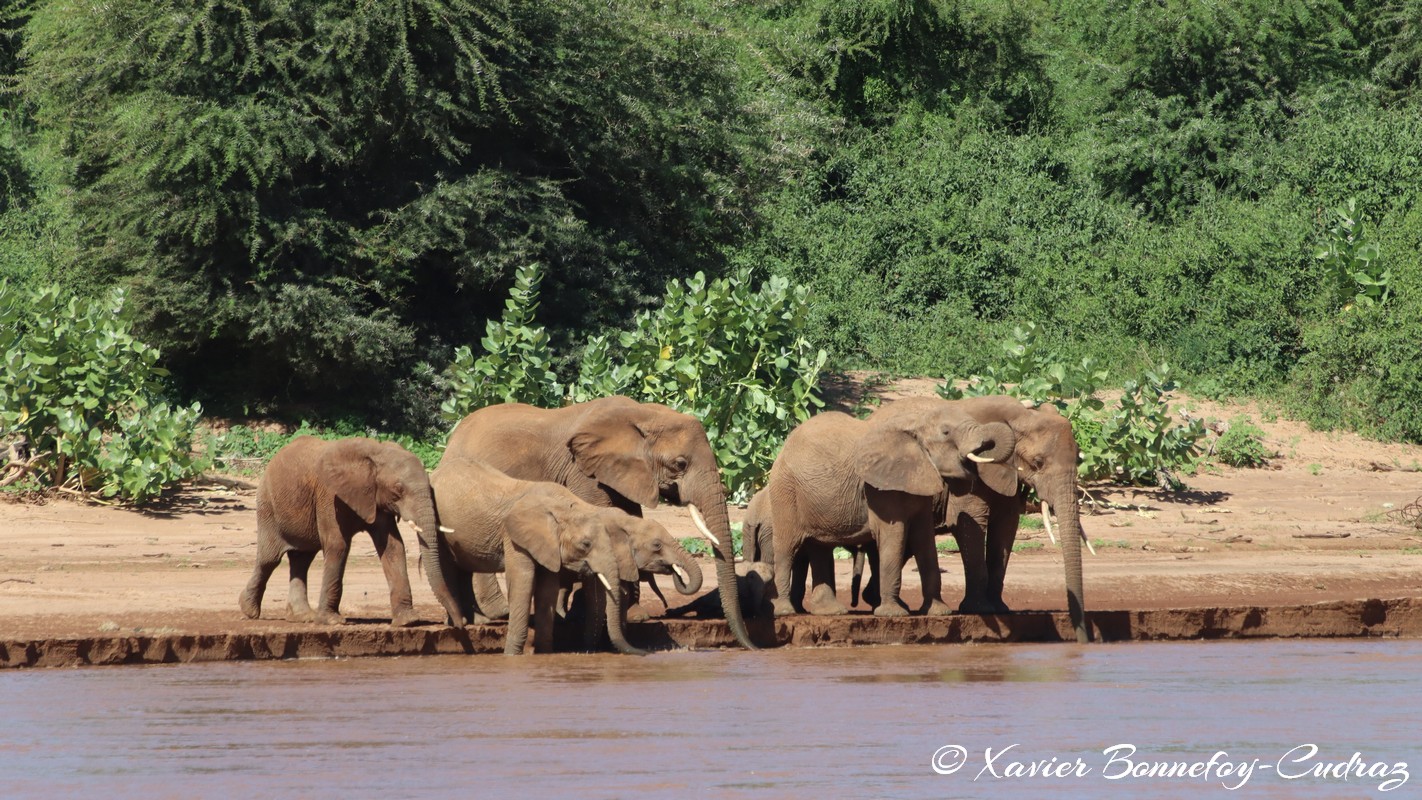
x,y
622,551
892,459
349,472
534,529
612,450
999,475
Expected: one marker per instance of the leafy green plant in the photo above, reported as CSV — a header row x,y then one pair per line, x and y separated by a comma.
x,y
698,546
81,388
516,366
1134,442
1242,444
1351,256
730,352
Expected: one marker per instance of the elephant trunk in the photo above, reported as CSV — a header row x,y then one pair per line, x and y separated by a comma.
x,y
709,499
615,612
686,573
426,521
1065,503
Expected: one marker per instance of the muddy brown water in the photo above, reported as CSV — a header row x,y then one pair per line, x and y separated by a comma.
x,y
848,722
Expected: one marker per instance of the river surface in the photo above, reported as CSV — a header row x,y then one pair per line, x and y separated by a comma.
x,y
853,722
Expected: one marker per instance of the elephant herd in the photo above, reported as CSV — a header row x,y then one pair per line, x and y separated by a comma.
x,y
553,498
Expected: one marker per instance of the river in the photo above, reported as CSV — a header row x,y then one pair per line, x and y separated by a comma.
x,y
830,723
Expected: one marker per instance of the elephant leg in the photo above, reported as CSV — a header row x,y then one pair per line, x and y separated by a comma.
x,y
520,576
822,600
925,556
787,541
333,581
391,549
891,566
298,609
971,534
269,552
870,556
487,599
594,614
798,572
545,597
631,601
1001,535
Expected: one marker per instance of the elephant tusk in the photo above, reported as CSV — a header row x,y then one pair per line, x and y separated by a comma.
x,y
977,459
701,525
1047,521
605,584
445,529
1089,548
681,573
418,529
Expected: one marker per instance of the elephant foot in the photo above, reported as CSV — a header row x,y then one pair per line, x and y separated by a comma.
x,y
481,619
890,610
781,607
250,610
300,614
403,618
822,602
324,617
979,607
937,608
637,614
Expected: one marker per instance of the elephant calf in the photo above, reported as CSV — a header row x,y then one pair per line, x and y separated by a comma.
x,y
534,532
314,496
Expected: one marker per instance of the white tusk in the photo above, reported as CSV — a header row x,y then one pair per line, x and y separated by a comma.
x,y
1088,543
418,529
445,529
701,525
603,578
681,573
1047,520
974,457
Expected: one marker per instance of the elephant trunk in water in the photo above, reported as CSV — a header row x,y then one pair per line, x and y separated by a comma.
x,y
707,499
1061,495
426,522
614,619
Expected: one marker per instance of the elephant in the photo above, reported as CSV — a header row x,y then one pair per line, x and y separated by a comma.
x,y
758,545
533,531
984,511
314,496
613,452
844,482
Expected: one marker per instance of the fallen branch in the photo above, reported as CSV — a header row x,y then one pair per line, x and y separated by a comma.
x,y
21,468
1378,466
1322,535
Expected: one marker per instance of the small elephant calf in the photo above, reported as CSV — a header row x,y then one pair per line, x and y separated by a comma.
x,y
315,496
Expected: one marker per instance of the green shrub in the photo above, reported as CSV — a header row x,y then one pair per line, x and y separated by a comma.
x,y
1351,255
1242,444
728,352
516,366
1133,442
79,386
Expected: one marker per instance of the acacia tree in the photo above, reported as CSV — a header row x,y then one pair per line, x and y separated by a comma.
x,y
308,197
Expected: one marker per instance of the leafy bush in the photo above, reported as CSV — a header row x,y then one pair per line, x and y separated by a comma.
x,y
1133,442
516,364
1351,257
726,352
80,387
730,354
1242,445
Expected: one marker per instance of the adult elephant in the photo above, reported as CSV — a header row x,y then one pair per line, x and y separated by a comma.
x,y
840,481
984,512
534,532
613,452
314,496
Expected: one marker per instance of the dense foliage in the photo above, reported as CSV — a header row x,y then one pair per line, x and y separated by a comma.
x,y
313,205
88,396
728,351
1134,441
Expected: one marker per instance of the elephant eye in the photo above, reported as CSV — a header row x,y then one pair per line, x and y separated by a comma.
x,y
656,547
679,464
585,543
